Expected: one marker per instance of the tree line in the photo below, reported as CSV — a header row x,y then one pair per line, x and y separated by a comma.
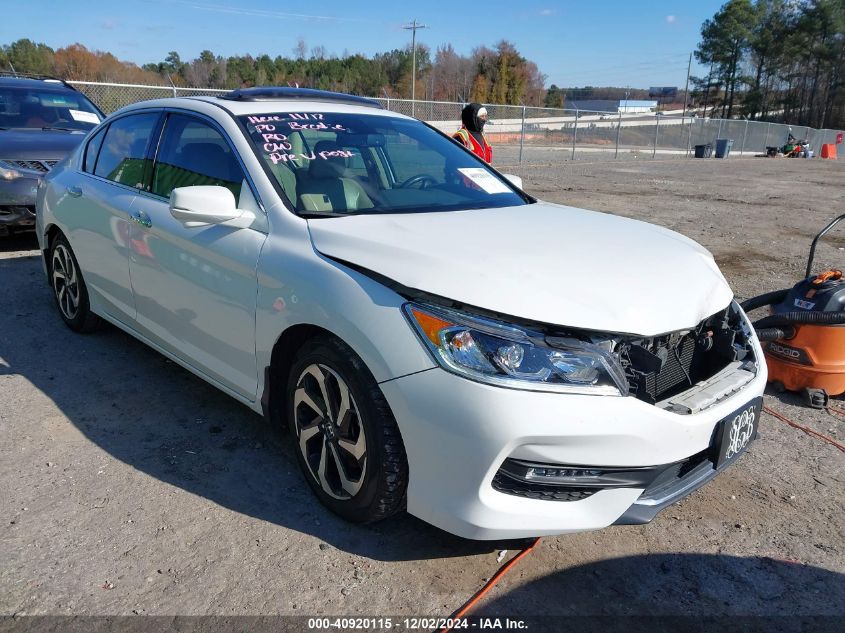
x,y
487,75
781,60
490,75
775,60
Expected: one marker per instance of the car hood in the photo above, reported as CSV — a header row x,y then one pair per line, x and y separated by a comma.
x,y
543,262
34,144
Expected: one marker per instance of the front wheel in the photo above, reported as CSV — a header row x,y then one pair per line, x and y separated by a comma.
x,y
348,443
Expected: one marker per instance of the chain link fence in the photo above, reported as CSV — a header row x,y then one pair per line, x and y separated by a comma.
x,y
521,134
527,134
111,97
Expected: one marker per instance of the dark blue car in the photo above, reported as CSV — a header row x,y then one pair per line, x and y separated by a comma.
x,y
41,121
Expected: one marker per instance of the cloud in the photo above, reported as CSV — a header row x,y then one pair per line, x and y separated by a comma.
x,y
548,11
108,24
670,19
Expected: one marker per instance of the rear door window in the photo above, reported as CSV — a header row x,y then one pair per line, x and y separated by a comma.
x,y
92,150
192,153
123,153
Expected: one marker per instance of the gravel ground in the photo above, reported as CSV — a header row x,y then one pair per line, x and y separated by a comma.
x,y
132,487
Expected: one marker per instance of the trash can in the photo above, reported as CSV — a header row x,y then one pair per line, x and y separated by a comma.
x,y
723,147
703,151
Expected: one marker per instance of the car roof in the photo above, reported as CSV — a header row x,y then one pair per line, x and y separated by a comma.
x,y
215,105
275,93
268,100
293,105
33,82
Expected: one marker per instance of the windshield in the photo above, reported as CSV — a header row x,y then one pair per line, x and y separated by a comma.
x,y
331,164
39,108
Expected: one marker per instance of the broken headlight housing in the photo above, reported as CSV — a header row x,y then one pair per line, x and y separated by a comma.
x,y
506,355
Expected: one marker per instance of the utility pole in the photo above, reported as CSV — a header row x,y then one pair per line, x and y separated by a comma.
x,y
413,26
686,90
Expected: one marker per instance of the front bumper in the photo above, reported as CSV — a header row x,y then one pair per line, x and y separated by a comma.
x,y
17,203
458,433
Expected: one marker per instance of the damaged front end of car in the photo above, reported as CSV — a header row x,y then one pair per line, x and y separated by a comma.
x,y
684,372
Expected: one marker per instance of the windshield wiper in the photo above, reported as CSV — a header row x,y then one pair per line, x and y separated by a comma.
x,y
320,214
61,129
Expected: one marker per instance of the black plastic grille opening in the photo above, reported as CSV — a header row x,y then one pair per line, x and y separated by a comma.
x,y
35,165
17,210
656,481
543,492
674,477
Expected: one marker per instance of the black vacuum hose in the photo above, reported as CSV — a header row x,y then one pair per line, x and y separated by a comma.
x,y
789,318
767,299
775,333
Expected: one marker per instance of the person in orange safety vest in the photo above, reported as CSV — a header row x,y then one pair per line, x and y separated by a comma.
x,y
471,134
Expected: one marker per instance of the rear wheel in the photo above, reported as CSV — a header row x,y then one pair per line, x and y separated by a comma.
x,y
348,444
69,288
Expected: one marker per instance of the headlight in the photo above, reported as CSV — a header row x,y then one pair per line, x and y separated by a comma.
x,y
10,172
504,355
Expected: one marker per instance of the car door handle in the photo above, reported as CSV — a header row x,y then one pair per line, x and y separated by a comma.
x,y
74,191
139,217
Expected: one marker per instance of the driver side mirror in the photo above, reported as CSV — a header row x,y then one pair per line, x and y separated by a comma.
x,y
203,204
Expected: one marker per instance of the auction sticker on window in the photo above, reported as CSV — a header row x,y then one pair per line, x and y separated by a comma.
x,y
484,179
84,117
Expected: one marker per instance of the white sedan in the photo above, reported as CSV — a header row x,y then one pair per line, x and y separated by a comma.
x,y
435,338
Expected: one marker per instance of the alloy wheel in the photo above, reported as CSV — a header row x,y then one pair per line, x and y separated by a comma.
x,y
330,433
65,281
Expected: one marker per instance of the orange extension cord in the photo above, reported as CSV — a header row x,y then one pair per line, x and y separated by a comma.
x,y
806,429
469,604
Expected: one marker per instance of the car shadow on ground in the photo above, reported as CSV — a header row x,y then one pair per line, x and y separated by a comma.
x,y
25,241
151,414
696,586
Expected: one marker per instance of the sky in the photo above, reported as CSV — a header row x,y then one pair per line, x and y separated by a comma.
x,y
574,42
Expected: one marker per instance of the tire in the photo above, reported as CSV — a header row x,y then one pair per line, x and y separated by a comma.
x,y
350,452
69,290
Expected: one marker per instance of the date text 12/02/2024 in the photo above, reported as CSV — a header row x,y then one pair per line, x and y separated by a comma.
x,y
417,623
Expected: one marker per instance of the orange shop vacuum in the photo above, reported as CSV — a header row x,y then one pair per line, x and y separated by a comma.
x,y
803,337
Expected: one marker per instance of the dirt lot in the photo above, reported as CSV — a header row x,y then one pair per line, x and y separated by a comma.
x,y
131,487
